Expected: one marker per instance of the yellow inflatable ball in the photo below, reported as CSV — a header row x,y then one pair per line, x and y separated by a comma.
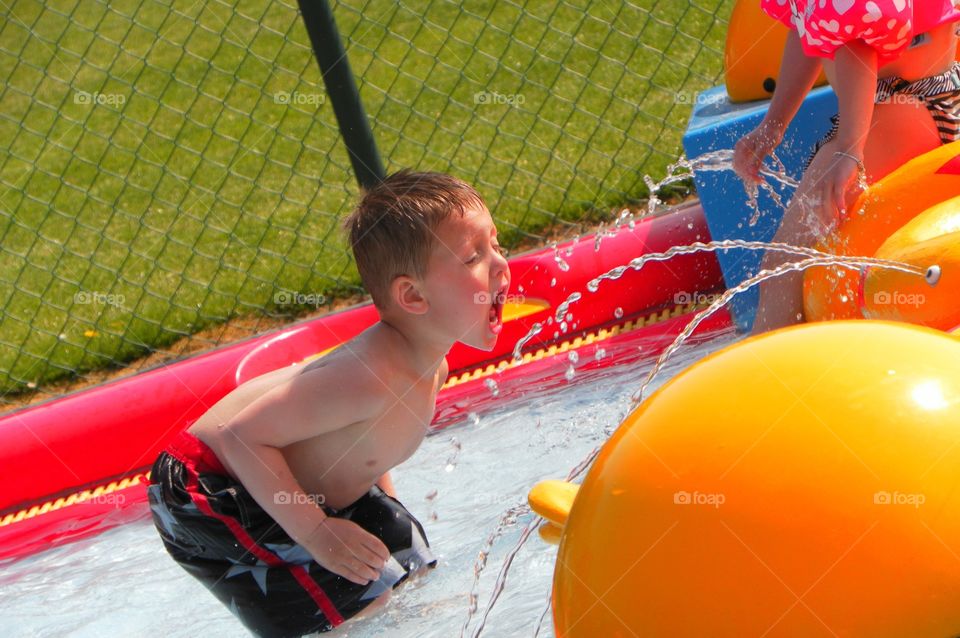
x,y
931,242
805,482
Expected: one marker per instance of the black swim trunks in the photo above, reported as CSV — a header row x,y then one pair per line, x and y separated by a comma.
x,y
217,532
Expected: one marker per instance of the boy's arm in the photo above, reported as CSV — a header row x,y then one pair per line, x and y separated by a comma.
x,y
312,403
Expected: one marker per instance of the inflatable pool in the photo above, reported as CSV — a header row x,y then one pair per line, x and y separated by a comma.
x,y
76,465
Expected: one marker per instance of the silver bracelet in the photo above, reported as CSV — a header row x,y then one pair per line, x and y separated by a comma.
x,y
860,168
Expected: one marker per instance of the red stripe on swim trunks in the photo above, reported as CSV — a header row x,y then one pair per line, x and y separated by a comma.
x,y
299,573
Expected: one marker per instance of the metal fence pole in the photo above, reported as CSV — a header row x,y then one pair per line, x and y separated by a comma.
x,y
342,90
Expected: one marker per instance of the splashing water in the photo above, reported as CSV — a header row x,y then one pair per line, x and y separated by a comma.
x,y
821,259
722,160
565,305
535,329
507,520
636,264
561,264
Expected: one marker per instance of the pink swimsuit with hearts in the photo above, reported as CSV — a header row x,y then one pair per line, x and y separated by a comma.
x,y
886,25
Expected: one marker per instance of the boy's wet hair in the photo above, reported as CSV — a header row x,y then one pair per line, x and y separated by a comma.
x,y
392,230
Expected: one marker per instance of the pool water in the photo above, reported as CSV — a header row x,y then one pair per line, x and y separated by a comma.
x,y
458,484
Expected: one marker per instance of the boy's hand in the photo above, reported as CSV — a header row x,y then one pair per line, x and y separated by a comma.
x,y
348,550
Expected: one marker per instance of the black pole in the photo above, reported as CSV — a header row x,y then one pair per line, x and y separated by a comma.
x,y
342,90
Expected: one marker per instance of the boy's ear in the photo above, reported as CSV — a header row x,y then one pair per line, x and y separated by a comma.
x,y
405,293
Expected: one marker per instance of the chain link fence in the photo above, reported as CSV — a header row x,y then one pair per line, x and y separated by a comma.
x,y
172,177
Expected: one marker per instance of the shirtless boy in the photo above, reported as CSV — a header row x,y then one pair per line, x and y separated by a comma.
x,y
278,499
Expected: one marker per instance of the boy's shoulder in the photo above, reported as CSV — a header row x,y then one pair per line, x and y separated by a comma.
x,y
368,362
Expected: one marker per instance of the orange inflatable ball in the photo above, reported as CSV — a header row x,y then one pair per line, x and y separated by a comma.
x,y
801,483
931,242
753,52
833,293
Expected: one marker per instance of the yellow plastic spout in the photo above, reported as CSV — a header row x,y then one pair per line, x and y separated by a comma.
x,y
552,500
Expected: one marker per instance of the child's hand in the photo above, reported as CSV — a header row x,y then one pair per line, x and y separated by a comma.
x,y
838,186
753,148
348,550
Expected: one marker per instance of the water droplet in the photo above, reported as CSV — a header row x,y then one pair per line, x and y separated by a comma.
x,y
573,357
600,354
690,226
569,316
593,285
449,467
844,298
553,282
519,288
570,374
492,386
618,313
556,334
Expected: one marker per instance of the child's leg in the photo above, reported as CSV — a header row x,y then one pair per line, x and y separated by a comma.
x,y
898,133
781,298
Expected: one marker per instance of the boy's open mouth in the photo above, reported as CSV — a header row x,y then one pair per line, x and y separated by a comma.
x,y
496,310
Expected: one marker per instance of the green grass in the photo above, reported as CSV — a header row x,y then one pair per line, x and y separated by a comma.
x,y
192,194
